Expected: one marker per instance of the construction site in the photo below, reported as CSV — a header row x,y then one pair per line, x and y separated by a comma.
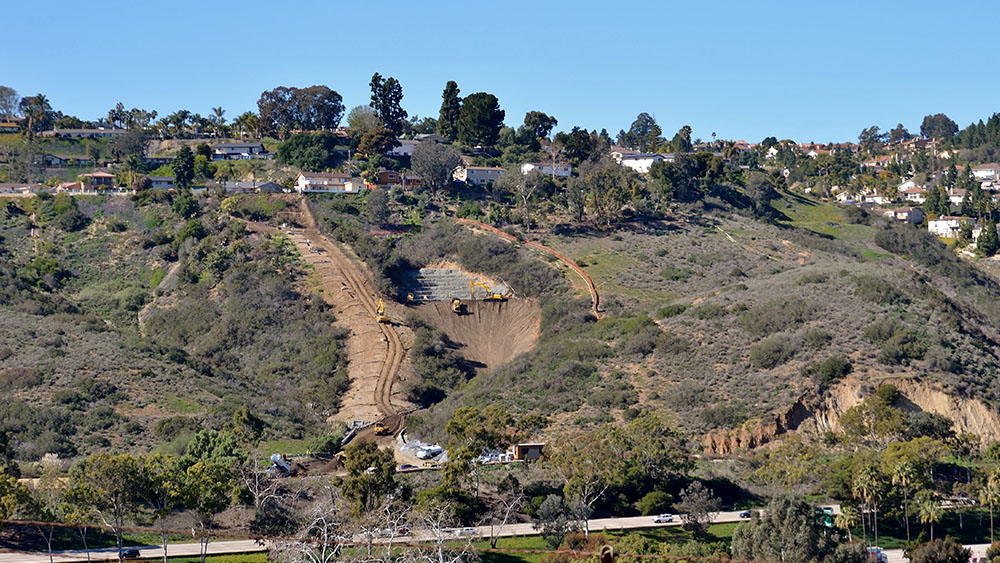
x,y
482,316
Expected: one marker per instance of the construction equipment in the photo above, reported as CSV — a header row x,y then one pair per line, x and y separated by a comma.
x,y
490,294
279,466
456,306
380,312
381,430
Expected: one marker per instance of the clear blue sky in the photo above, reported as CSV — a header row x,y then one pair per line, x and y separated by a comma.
x,y
811,71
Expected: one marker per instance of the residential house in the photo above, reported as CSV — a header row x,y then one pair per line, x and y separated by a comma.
x,y
906,214
77,187
392,178
9,127
906,185
356,184
946,226
917,195
478,175
84,133
989,171
59,160
161,182
99,180
879,162
431,137
240,151
816,153
956,195
874,198
526,452
405,147
618,153
158,160
560,170
641,163
323,182
771,153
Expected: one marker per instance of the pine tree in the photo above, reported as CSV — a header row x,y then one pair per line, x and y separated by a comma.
x,y
932,201
451,107
988,242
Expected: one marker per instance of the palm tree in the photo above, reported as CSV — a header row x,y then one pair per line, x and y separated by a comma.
x,y
867,488
902,475
929,510
35,108
254,166
218,120
847,518
990,494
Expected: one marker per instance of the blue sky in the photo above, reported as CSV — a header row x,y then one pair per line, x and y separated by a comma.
x,y
811,71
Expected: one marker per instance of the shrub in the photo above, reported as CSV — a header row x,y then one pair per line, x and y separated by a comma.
x,y
706,312
829,370
876,290
655,502
816,338
771,352
777,315
814,277
19,377
671,310
672,273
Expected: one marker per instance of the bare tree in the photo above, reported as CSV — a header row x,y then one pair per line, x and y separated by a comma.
x,y
434,522
323,537
502,508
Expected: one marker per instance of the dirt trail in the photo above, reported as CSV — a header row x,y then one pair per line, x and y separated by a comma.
x,y
594,296
489,333
375,351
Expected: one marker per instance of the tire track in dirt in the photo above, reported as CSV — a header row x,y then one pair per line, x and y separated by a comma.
x,y
338,275
594,296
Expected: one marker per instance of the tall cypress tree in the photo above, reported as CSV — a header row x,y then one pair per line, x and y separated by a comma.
x,y
988,242
451,107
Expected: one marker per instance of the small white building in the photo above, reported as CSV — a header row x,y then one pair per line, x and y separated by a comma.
x,y
324,182
946,226
478,175
989,171
917,195
560,170
955,196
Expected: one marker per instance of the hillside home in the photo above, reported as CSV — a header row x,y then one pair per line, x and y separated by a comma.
x,y
250,187
9,127
946,226
405,147
57,160
955,196
560,170
989,171
393,178
99,180
430,137
239,151
918,195
324,182
641,163
879,162
905,214
477,175
162,182
356,184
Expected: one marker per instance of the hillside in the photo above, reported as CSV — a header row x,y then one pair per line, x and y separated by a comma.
x,y
227,321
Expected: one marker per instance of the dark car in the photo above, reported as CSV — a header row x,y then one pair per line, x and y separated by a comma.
x,y
745,514
130,553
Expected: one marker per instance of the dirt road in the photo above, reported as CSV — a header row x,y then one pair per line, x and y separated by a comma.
x,y
375,351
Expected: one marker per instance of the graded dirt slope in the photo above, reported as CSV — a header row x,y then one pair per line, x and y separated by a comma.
x,y
489,333
374,349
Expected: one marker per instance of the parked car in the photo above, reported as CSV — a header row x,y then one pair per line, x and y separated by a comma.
x,y
745,514
407,467
663,518
130,553
468,532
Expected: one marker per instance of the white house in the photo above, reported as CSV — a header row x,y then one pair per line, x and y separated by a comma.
x,y
918,195
641,163
989,171
946,226
875,197
561,170
906,185
955,196
162,182
324,182
240,151
479,175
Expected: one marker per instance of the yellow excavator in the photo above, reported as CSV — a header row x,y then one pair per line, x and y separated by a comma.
x,y
380,312
490,294
456,306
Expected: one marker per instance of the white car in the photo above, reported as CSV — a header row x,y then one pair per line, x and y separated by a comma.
x,y
663,518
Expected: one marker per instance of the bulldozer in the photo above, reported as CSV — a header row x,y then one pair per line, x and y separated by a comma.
x,y
490,294
456,306
382,430
380,312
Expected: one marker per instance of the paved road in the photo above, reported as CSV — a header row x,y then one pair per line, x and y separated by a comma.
x,y
247,546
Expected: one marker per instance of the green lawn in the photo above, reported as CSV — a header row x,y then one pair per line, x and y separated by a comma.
x,y
819,216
